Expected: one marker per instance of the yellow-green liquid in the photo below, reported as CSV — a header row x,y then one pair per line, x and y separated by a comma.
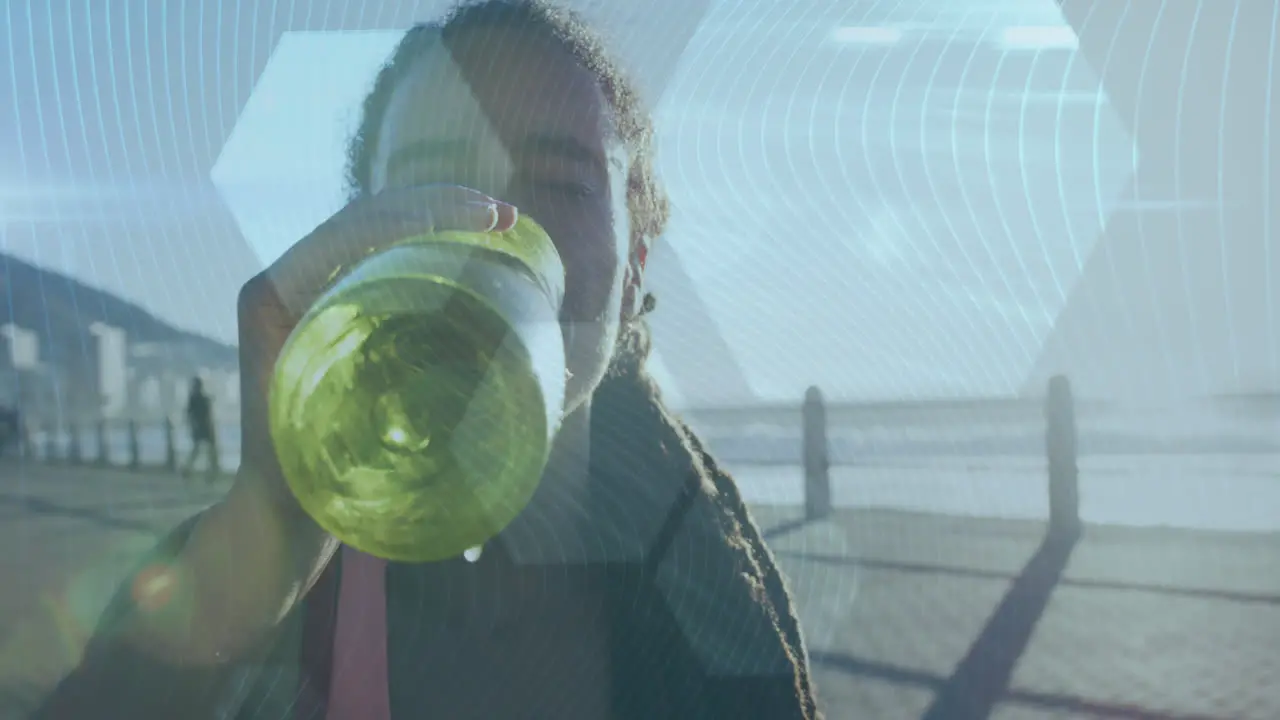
x,y
409,434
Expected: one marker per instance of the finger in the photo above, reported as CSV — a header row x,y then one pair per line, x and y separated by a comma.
x,y
313,258
315,263
426,202
419,196
507,216
270,304
432,198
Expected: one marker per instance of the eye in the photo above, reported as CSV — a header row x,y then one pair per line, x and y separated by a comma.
x,y
421,174
556,187
570,188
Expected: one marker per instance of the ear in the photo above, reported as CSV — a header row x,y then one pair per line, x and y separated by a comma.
x,y
641,252
633,289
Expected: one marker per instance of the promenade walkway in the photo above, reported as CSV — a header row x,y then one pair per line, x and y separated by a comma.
x,y
967,618
908,615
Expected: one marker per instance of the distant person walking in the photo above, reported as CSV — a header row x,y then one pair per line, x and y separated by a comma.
x,y
200,420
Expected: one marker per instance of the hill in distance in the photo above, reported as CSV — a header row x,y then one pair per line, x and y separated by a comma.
x,y
61,310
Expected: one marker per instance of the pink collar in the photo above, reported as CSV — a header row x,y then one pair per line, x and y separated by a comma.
x,y
358,684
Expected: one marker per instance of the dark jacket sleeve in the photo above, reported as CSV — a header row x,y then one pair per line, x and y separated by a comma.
x,y
762,659
790,694
117,680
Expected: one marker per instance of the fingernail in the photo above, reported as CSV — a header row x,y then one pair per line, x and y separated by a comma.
x,y
506,216
486,214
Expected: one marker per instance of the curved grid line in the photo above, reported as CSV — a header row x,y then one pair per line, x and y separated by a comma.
x,y
925,226
1180,233
184,188
757,183
879,191
1022,169
970,207
969,492
155,120
1139,214
863,208
835,203
769,176
1266,190
48,164
882,197
1091,360
130,173
93,174
955,150
306,21
102,124
745,213
700,163
830,585
1103,217
186,89
933,191
208,224
882,367
23,165
744,209
63,240
115,97
895,156
154,90
1222,214
764,184
133,87
750,206
995,191
252,62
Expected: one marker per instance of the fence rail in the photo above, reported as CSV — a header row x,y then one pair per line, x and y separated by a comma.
x,y
155,445
117,443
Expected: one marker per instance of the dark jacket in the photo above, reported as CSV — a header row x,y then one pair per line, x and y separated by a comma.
x,y
200,416
700,622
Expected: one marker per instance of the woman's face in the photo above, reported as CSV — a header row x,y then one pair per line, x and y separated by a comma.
x,y
515,116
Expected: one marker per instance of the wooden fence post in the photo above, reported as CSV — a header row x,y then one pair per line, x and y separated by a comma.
x,y
817,465
75,455
1061,446
50,443
104,448
170,450
135,459
28,447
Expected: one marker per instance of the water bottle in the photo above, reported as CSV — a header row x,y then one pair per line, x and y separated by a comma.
x,y
414,405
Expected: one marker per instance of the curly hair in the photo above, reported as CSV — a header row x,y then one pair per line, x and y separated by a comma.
x,y
647,202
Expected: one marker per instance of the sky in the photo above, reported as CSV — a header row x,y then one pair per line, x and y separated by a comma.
x,y
889,200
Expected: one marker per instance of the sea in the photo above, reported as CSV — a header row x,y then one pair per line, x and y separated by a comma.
x,y
1184,468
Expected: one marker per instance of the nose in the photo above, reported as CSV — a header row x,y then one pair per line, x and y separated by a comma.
x,y
488,168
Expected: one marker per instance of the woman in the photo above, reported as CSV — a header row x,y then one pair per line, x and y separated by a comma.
x,y
635,585
200,423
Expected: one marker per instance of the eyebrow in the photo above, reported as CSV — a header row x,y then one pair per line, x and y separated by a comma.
x,y
565,147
